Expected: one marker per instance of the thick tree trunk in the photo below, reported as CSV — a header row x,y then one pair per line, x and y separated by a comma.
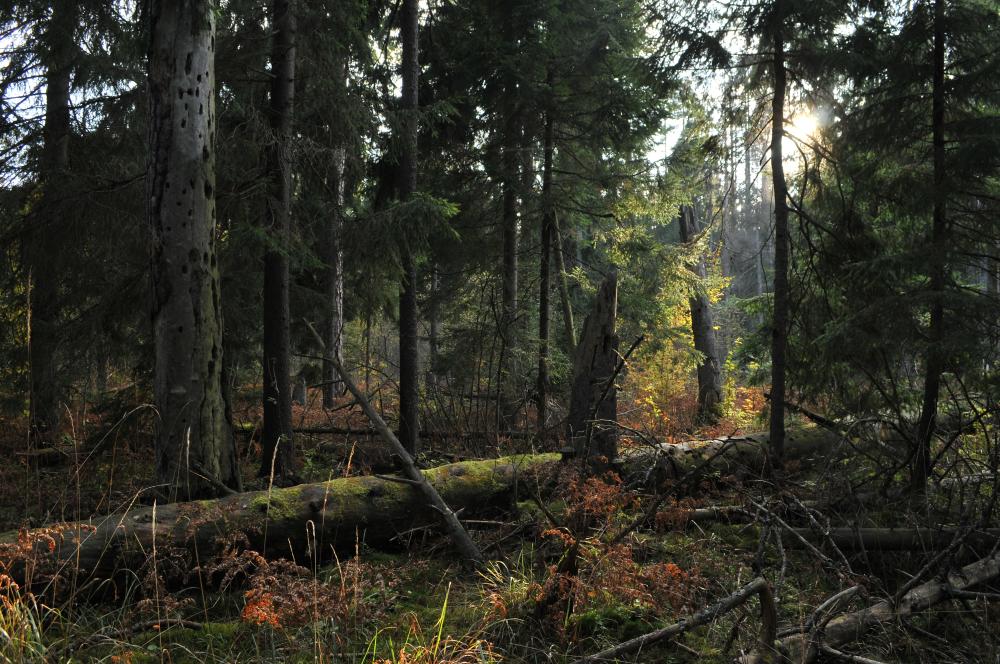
x,y
42,244
195,439
703,331
926,427
593,406
779,320
278,458
334,327
409,348
544,286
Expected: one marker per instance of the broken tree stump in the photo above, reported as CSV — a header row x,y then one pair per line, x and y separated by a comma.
x,y
593,406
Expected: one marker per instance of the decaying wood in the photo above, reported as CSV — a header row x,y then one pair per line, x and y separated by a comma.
x,y
433,499
734,455
592,405
758,586
897,539
375,510
804,647
291,522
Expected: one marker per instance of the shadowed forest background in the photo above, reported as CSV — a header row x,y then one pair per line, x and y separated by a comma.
x,y
467,331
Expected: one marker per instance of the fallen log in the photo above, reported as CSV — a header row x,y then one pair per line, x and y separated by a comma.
x,y
850,539
373,509
804,647
285,522
733,455
896,539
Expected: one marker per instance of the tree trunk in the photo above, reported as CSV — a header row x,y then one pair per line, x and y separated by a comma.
x,y
195,438
779,320
567,304
703,330
926,427
278,458
433,329
545,261
334,327
593,404
511,170
409,349
43,237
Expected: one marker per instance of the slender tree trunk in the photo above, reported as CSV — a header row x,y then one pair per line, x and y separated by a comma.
x,y
433,328
939,231
41,245
511,162
510,230
545,260
334,283
195,438
409,349
779,321
277,444
703,331
567,304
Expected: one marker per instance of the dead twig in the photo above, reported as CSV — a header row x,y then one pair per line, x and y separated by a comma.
x,y
758,586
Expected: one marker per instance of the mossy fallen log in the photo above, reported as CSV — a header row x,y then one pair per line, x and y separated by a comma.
x,y
300,520
283,522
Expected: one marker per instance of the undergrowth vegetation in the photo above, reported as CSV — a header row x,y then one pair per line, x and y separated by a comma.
x,y
582,562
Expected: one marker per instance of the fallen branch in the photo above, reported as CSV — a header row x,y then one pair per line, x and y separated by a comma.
x,y
454,527
803,648
758,586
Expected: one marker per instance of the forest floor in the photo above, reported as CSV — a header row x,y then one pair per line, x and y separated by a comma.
x,y
560,585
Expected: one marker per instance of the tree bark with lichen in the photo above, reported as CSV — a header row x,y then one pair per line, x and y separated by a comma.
x,y
194,452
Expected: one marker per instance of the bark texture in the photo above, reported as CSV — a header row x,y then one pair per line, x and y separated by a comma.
x,y
43,241
593,406
703,331
195,439
334,327
277,438
409,347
